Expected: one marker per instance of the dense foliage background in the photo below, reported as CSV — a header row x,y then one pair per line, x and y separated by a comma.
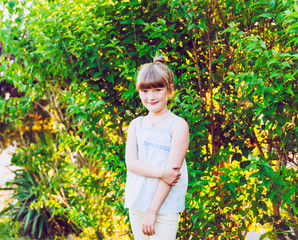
x,y
67,95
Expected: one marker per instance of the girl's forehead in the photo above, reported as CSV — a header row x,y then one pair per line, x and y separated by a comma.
x,y
150,84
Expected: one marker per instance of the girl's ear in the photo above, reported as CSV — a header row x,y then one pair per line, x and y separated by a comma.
x,y
171,93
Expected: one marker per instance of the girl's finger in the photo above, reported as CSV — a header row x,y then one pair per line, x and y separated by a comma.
x,y
153,230
149,231
144,230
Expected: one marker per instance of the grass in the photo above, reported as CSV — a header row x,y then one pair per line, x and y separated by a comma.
x,y
8,231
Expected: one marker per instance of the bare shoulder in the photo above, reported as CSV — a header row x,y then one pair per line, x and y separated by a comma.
x,y
131,131
181,123
133,122
132,125
180,126
180,134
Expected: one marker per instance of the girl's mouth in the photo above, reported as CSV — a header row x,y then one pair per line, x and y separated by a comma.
x,y
152,103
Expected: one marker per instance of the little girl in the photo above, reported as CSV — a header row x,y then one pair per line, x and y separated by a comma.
x,y
156,170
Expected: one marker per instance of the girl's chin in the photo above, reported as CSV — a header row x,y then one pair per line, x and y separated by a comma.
x,y
155,110
152,107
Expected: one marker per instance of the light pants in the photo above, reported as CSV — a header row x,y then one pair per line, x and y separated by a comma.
x,y
165,228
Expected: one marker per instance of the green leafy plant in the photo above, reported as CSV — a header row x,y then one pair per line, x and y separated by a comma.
x,y
37,193
68,69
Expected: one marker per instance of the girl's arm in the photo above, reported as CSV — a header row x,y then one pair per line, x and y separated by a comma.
x,y
170,175
179,146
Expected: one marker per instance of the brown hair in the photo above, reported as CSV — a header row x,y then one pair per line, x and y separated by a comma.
x,y
155,75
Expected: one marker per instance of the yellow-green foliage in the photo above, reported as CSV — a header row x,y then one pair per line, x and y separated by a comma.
x,y
68,94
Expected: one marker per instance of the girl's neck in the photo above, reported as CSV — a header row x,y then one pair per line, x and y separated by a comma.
x,y
155,120
160,113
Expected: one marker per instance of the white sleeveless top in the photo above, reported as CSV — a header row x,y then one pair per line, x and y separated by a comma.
x,y
153,146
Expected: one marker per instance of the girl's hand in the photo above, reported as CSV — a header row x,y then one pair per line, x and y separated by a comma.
x,y
171,175
149,223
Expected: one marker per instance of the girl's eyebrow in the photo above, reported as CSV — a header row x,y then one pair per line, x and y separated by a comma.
x,y
149,88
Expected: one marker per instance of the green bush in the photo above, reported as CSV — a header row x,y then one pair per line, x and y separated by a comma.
x,y
69,68
8,230
41,195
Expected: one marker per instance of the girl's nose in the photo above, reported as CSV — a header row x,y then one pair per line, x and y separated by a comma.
x,y
150,95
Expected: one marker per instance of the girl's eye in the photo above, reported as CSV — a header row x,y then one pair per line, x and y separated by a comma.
x,y
158,90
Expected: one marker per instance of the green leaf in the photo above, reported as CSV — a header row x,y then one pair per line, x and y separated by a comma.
x,y
265,236
290,91
15,51
127,21
41,225
12,109
286,196
267,184
110,78
92,65
202,25
272,3
97,74
139,21
11,4
262,43
273,196
232,187
33,231
267,15
191,26
28,219
285,64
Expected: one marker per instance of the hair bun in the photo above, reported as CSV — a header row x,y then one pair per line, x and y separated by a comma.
x,y
159,59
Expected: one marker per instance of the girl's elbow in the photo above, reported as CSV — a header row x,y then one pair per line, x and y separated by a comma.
x,y
129,166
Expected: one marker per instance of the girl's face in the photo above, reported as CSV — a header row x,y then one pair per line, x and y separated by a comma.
x,y
155,99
